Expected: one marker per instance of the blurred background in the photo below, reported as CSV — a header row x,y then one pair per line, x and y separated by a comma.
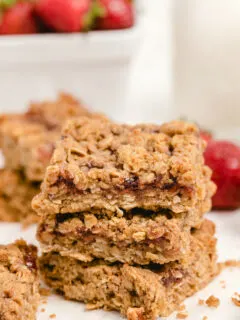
x,y
179,60
126,74
151,80
206,67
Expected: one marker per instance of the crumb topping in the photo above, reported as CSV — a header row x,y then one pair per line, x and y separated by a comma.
x,y
51,114
99,152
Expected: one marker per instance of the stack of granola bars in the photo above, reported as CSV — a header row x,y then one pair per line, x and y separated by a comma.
x,y
27,141
122,224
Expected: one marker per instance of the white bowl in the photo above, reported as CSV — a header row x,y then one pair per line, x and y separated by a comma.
x,y
94,66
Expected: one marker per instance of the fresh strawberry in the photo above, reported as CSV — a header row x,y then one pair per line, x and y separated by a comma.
x,y
116,14
65,15
18,19
223,158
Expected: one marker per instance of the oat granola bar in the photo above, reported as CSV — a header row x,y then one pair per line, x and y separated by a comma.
x,y
16,194
102,165
19,281
137,292
136,238
28,139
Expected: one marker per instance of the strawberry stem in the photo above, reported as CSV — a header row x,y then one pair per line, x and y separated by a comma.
x,y
6,4
96,11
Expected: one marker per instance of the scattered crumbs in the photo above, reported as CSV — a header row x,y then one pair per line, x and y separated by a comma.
x,y
229,263
182,307
182,315
45,292
52,316
236,299
223,284
201,302
44,301
42,310
213,302
205,318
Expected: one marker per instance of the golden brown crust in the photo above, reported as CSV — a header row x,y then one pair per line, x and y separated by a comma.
x,y
105,165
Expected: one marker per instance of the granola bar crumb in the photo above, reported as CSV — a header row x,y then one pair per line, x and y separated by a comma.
x,y
182,307
213,302
201,302
182,315
42,310
52,316
205,318
236,299
44,292
223,284
229,264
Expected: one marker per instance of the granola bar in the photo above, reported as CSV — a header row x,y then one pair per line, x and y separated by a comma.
x,y
136,238
28,139
16,194
137,292
19,281
102,165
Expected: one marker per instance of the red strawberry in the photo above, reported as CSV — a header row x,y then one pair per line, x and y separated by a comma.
x,y
117,14
18,19
65,15
224,159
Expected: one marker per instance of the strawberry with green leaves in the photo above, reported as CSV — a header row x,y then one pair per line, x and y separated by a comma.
x,y
115,14
66,15
17,17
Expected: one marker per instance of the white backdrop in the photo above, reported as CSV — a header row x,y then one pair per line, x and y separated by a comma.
x,y
150,95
